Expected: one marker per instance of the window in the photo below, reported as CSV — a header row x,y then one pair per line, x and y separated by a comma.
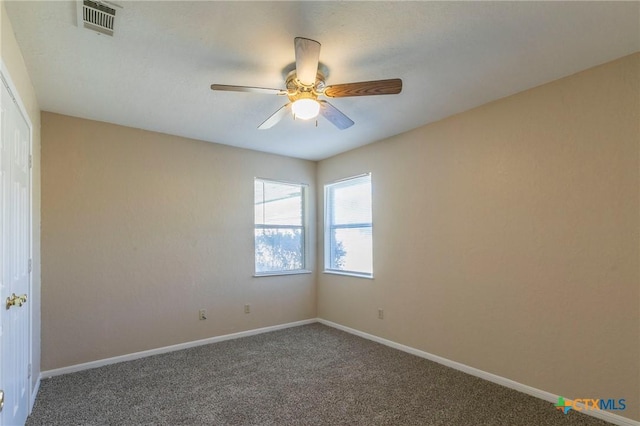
x,y
279,227
348,225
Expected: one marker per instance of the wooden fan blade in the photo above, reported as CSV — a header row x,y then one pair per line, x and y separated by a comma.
x,y
275,117
307,57
365,88
262,90
335,116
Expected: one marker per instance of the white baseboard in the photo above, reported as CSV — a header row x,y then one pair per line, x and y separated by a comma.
x,y
544,395
166,349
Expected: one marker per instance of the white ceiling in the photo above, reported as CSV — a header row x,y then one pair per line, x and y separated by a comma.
x,y
156,71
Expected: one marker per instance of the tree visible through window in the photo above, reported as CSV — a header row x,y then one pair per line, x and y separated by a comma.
x,y
348,226
279,227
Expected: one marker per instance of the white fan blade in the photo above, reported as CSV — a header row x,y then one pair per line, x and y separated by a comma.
x,y
275,117
335,116
307,57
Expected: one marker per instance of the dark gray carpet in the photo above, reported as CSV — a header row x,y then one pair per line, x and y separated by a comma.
x,y
308,375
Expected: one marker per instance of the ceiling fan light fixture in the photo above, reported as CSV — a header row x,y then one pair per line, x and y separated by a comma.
x,y
306,82
306,108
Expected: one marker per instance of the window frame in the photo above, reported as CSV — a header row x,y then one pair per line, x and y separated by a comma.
x,y
329,227
304,189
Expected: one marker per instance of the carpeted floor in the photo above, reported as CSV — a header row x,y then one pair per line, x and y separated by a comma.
x,y
308,375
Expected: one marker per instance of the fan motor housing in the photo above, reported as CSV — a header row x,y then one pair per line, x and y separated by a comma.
x,y
297,90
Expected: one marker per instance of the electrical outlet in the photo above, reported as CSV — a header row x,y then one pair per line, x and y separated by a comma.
x,y
247,309
202,314
380,314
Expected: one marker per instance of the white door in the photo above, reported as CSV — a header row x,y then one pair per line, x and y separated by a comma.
x,y
15,264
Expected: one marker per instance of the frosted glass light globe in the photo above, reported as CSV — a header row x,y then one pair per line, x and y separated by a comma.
x,y
305,108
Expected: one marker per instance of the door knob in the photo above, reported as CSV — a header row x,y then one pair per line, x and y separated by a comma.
x,y
16,300
1,400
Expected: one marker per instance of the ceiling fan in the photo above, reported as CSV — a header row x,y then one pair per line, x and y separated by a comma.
x,y
306,82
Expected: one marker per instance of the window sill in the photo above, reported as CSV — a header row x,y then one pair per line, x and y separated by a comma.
x,y
279,273
349,274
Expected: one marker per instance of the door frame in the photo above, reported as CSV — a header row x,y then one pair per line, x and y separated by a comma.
x,y
5,79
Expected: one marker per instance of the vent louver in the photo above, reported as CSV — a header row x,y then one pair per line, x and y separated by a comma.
x,y
98,17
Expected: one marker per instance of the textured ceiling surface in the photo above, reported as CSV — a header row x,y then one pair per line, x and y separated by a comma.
x,y
155,72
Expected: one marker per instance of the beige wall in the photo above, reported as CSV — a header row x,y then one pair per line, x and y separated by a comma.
x,y
506,237
141,230
15,66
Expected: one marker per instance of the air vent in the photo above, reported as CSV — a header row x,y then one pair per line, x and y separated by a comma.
x,y
97,16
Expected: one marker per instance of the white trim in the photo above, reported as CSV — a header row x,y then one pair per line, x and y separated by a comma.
x,y
544,395
348,274
286,182
328,223
281,273
34,393
349,178
172,348
304,216
14,92
6,79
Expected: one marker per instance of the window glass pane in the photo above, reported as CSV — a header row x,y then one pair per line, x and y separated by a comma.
x,y
279,226
352,203
278,249
348,226
278,203
258,201
351,250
